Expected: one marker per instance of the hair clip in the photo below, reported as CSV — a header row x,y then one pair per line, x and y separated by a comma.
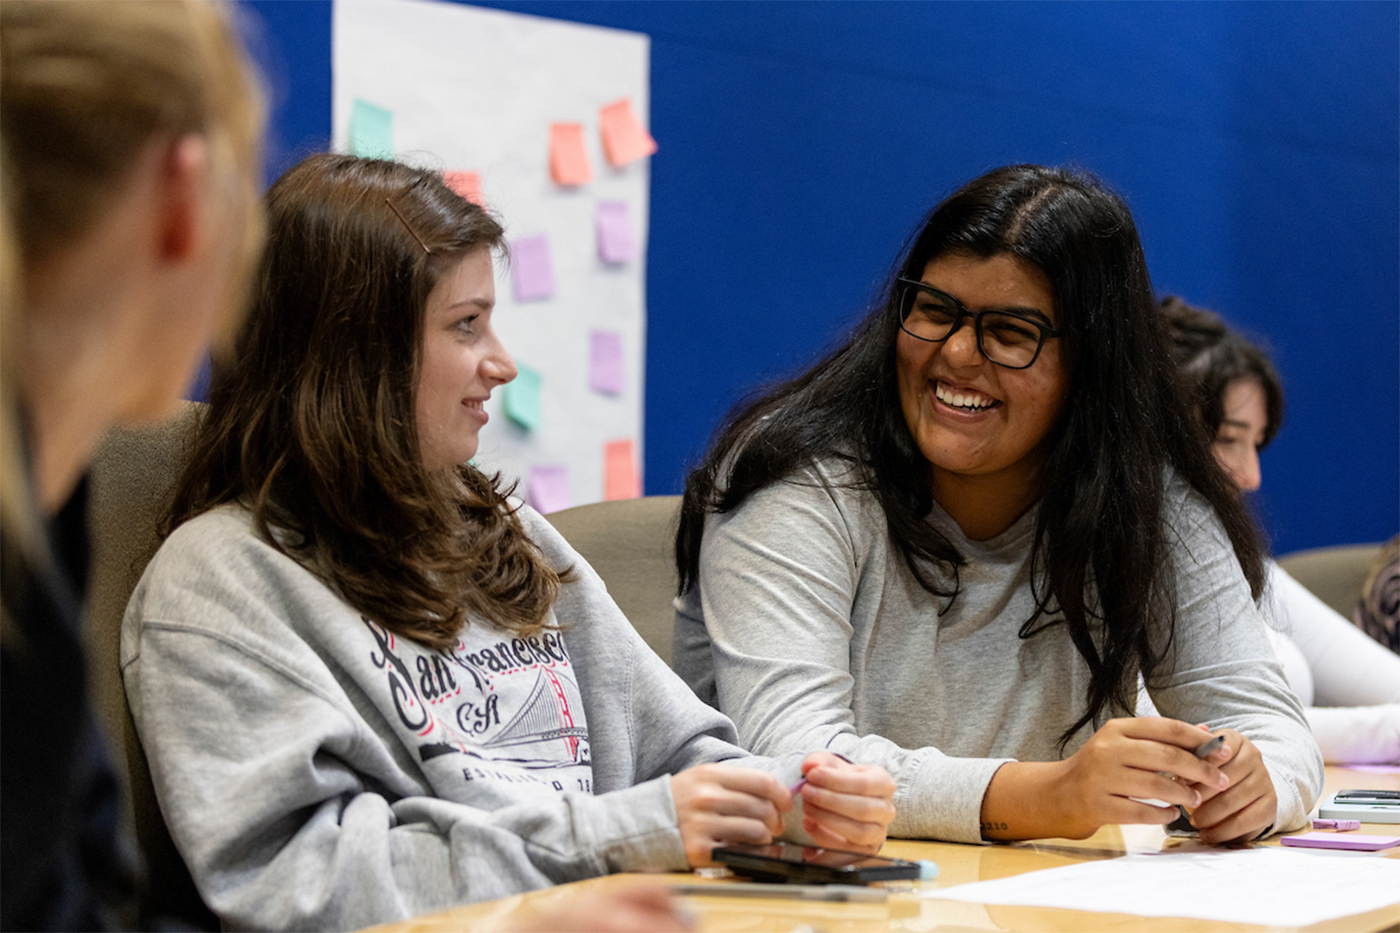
x,y
407,226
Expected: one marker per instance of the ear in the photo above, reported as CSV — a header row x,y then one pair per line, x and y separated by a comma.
x,y
184,197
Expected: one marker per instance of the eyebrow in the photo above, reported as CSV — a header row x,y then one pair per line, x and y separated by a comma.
x,y
1230,423
1007,309
480,303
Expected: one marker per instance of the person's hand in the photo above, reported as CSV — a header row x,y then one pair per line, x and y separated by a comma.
x,y
718,804
642,907
845,805
1247,806
1148,758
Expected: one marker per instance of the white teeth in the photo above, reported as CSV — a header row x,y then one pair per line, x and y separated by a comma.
x,y
971,400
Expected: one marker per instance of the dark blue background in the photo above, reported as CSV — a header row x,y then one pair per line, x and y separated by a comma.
x,y
1258,145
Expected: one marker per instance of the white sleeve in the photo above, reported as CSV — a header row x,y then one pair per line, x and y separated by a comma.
x,y
1348,667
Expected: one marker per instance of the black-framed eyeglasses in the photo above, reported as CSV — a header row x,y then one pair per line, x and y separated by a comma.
x,y
1006,338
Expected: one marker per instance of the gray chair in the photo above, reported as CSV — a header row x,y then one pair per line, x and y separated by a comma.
x,y
133,476
1335,575
631,543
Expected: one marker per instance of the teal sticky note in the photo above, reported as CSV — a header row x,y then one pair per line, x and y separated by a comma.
x,y
371,131
523,397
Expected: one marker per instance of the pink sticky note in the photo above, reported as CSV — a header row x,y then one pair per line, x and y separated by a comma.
x,y
531,268
467,184
605,362
616,242
620,477
549,489
624,138
568,157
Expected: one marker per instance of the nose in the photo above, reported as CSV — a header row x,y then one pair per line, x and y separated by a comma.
x,y
960,346
1251,477
497,366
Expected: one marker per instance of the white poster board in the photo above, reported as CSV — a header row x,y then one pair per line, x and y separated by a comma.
x,y
468,89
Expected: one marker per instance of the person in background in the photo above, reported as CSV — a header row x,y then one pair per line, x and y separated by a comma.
x,y
371,683
1377,611
130,139
1348,684
951,546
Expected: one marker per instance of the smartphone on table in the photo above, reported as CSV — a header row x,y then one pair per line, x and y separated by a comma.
x,y
1368,806
785,862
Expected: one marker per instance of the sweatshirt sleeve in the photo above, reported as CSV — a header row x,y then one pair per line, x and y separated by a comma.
x,y
779,580
253,768
1222,669
644,721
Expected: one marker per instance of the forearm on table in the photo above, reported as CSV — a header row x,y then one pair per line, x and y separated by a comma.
x,y
1025,800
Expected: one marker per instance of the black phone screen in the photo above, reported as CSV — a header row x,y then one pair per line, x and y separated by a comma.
x,y
783,861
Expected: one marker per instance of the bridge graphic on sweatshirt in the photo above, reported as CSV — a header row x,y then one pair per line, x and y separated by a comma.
x,y
554,710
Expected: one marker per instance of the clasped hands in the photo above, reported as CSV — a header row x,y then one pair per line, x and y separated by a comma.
x,y
844,805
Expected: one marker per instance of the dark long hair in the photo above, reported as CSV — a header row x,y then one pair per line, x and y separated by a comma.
x,y
1102,557
312,423
1210,356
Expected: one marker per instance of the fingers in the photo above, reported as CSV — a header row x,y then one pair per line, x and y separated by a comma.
x,y
845,804
1248,806
1168,745
716,804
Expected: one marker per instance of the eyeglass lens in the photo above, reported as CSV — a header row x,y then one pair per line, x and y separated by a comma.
x,y
1003,338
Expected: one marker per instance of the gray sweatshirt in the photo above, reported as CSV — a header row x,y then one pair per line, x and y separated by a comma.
x,y
808,629
317,772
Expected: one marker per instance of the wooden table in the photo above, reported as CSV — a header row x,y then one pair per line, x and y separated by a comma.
x,y
958,864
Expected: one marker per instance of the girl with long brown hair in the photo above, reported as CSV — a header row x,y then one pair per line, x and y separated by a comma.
x,y
371,683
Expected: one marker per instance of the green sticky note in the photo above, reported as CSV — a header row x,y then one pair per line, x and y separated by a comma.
x,y
523,397
371,131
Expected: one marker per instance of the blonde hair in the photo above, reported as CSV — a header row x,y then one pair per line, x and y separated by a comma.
x,y
85,86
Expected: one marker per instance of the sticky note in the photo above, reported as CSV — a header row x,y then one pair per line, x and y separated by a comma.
x,y
605,362
548,489
531,268
620,477
467,184
616,243
371,131
522,396
568,157
624,138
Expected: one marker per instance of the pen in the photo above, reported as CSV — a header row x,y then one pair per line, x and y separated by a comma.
x,y
804,892
1202,750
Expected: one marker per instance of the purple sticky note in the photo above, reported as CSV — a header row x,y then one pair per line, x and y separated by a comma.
x,y
531,268
616,242
549,489
605,362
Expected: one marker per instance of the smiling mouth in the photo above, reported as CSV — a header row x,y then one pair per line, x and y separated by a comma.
x,y
476,403
963,399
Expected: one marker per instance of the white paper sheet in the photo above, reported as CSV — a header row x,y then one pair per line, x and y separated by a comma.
x,y
476,90
1264,885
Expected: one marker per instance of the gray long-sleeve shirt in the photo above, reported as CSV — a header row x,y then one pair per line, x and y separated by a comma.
x,y
317,772
807,628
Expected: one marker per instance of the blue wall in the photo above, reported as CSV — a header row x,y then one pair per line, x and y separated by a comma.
x,y
1257,143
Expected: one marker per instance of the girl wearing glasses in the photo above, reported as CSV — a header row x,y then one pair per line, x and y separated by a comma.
x,y
952,545
368,681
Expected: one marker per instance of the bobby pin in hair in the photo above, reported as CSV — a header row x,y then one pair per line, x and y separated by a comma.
x,y
408,226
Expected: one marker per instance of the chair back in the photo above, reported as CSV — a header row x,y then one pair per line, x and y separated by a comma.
x,y
631,543
133,477
1334,575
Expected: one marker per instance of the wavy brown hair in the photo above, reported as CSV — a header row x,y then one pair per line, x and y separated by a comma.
x,y
312,423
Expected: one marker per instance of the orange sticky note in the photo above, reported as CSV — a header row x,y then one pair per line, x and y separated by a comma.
x,y
568,157
624,138
467,184
620,477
